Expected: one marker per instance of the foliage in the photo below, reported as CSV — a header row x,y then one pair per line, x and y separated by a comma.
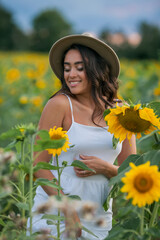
x,y
149,47
131,222
11,36
48,27
16,193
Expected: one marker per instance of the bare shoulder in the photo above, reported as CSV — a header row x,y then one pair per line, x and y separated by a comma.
x,y
54,112
58,101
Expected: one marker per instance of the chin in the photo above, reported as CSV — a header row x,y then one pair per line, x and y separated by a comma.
x,y
75,91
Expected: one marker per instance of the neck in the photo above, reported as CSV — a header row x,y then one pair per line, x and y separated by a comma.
x,y
86,100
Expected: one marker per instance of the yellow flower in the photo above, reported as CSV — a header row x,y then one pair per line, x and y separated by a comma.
x,y
31,74
1,100
157,91
13,91
58,134
142,183
130,72
36,101
57,83
41,84
23,99
125,121
130,85
13,75
22,130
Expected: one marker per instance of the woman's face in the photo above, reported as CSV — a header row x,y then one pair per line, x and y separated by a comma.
x,y
74,73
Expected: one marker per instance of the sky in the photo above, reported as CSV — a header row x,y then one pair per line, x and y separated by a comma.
x,y
89,15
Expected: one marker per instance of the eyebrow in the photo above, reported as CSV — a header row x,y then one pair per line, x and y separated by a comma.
x,y
76,63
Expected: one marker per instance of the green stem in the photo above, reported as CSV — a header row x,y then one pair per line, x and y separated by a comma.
x,y
142,222
11,195
154,214
31,184
22,178
5,217
59,183
156,137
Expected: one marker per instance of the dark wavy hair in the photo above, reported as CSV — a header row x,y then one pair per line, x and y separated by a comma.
x,y
103,85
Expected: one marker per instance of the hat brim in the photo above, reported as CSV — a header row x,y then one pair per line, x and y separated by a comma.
x,y
58,48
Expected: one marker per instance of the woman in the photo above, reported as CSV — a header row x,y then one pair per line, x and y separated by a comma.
x,y
88,69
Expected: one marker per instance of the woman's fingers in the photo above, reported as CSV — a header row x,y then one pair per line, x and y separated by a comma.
x,y
83,173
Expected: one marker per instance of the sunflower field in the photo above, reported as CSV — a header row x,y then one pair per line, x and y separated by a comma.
x,y
26,84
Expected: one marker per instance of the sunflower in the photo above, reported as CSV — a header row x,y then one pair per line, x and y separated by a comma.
x,y
142,183
127,120
58,134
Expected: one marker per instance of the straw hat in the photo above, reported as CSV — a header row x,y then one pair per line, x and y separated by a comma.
x,y
58,48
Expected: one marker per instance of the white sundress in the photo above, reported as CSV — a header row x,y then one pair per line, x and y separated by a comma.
x,y
91,141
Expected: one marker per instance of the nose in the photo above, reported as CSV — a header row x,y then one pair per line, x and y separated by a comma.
x,y
73,72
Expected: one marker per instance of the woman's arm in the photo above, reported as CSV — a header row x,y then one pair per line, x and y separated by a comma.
x,y
103,167
52,115
128,148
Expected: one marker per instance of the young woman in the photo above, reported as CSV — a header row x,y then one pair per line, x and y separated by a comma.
x,y
88,69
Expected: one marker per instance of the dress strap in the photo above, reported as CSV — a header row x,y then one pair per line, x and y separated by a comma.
x,y
70,103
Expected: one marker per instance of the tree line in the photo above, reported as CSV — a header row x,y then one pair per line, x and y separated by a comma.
x,y
50,25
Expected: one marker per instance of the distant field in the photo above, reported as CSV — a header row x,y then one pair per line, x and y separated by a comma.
x,y
26,83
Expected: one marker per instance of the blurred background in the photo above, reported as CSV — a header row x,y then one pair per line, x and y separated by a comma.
x,y
29,28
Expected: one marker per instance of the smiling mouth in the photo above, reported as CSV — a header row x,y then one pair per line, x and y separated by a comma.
x,y
74,83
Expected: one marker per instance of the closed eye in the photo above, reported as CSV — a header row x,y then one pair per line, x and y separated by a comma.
x,y
66,69
80,69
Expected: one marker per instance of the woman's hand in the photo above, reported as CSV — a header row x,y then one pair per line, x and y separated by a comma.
x,y
98,165
72,224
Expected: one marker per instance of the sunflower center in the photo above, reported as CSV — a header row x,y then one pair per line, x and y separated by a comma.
x,y
56,136
143,183
132,122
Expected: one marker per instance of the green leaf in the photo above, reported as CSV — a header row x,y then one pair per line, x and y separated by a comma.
x,y
117,179
153,156
49,144
11,145
115,233
2,223
43,134
106,112
78,163
131,223
146,143
75,197
46,182
154,232
134,158
3,194
126,211
22,206
13,133
53,217
156,146
88,231
115,141
49,222
44,165
112,194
